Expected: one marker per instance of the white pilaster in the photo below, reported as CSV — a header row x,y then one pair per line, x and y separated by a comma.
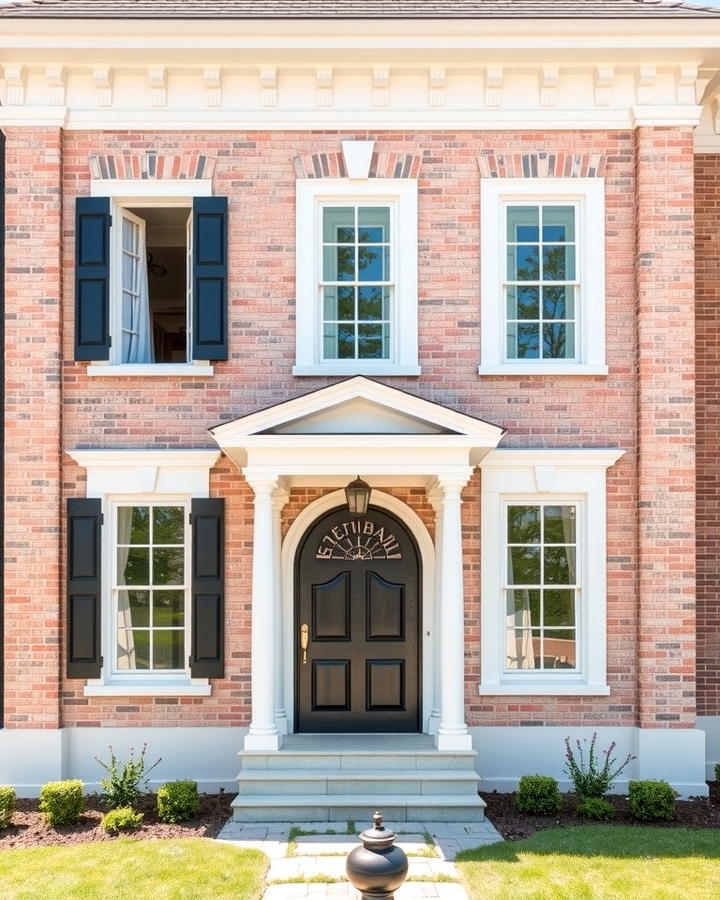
x,y
452,733
280,498
263,733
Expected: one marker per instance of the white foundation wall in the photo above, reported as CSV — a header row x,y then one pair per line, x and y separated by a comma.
x,y
711,726
31,757
504,754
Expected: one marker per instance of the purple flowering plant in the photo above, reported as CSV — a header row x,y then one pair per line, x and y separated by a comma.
x,y
595,776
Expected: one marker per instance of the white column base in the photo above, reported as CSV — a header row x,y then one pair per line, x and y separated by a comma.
x,y
453,741
434,722
263,742
281,722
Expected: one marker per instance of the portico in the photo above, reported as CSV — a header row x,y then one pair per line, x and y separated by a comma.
x,y
323,440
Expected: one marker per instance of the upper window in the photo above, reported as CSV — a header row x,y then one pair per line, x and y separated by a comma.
x,y
543,303
151,284
356,277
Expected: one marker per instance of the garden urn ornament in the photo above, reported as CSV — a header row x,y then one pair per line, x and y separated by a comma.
x,y
378,867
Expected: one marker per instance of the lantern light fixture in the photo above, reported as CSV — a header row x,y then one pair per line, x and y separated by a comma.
x,y
358,496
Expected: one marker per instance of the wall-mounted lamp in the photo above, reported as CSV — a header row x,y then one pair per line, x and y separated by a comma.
x,y
358,496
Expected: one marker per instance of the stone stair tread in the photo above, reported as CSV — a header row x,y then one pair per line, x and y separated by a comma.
x,y
387,800
359,774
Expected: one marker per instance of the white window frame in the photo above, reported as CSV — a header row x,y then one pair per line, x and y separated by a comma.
x,y
137,477
312,195
562,477
115,503
588,197
124,193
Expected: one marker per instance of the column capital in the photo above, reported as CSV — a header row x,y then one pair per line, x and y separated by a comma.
x,y
446,484
263,481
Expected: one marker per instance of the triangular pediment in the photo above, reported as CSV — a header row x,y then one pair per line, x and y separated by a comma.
x,y
357,406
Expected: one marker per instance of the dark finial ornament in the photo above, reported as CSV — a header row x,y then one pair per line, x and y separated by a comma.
x,y
378,867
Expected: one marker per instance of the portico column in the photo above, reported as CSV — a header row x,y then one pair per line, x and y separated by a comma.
x,y
452,733
280,498
263,733
435,499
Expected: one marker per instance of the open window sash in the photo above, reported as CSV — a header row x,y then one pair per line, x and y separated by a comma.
x,y
133,320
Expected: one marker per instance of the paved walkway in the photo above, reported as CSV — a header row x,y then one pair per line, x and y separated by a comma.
x,y
307,859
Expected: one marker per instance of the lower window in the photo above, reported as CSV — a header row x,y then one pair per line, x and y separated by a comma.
x,y
542,587
150,587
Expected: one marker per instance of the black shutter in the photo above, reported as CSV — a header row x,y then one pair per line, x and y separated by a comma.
x,y
92,278
209,327
83,575
207,658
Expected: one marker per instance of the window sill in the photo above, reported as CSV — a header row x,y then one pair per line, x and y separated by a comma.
x,y
198,687
544,689
131,370
384,369
542,369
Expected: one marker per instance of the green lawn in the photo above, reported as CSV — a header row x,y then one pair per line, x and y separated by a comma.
x,y
599,861
139,870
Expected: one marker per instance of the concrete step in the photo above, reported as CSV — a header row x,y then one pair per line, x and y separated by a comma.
x,y
345,807
360,759
358,781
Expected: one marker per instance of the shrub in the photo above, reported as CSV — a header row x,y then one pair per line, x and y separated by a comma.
x,y
177,801
651,801
7,804
122,786
590,779
62,802
717,771
595,808
538,794
123,818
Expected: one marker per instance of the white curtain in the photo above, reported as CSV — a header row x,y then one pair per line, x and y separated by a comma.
x,y
125,641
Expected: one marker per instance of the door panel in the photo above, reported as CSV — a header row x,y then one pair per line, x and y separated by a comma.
x,y
358,591
331,609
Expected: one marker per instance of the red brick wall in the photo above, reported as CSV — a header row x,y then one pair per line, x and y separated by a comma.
x,y
707,350
32,432
256,171
666,422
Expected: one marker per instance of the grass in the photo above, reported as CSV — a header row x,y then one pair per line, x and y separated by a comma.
x,y
166,870
598,862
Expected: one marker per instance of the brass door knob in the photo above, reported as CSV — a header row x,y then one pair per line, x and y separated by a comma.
x,y
304,638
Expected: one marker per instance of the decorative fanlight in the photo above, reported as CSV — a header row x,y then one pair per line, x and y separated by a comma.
x,y
358,496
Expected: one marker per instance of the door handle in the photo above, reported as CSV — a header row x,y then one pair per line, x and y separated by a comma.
x,y
304,642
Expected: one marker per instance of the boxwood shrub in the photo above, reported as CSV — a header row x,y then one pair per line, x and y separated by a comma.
x,y
123,818
177,801
595,808
62,802
7,804
651,801
538,794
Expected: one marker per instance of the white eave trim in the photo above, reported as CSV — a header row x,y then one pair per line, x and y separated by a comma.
x,y
504,457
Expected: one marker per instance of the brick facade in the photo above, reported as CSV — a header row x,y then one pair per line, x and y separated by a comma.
x,y
650,533
707,323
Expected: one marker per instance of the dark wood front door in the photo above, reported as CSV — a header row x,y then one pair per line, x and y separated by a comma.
x,y
358,593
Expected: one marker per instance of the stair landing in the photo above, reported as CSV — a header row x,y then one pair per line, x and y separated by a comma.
x,y
341,777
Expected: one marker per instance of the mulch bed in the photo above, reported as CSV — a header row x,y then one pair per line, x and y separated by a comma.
x,y
28,828
702,812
